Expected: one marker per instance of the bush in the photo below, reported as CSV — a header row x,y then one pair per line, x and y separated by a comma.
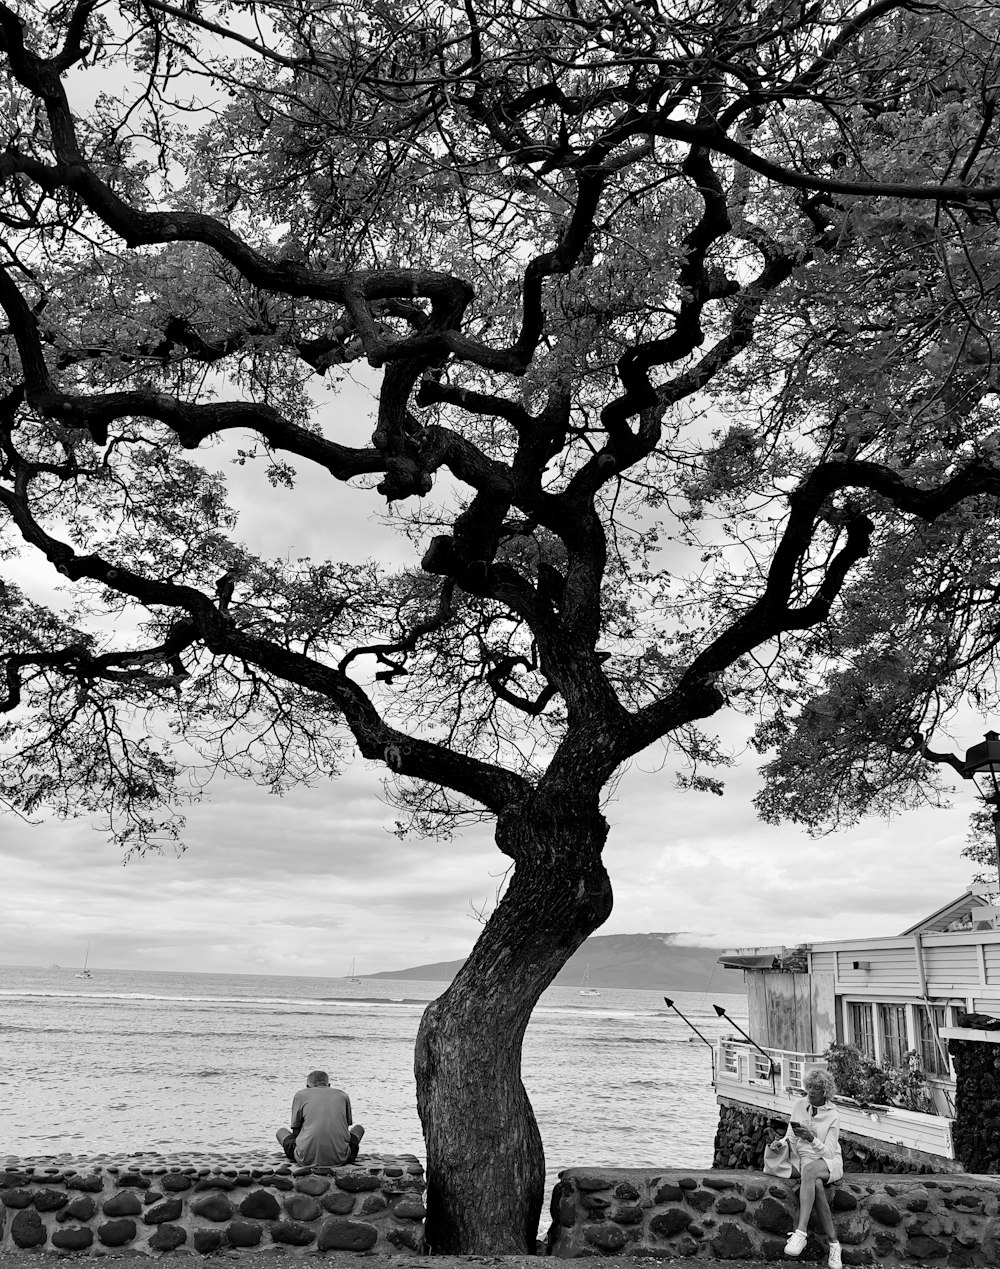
x,y
869,1084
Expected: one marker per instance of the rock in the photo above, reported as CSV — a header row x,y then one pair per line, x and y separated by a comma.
x,y
669,1193
729,1204
292,1233
409,1209
76,1238
923,1248
167,1210
356,1181
607,1236
773,1217
168,1237
124,1203
885,1213
207,1240
221,1183
700,1200
312,1185
595,1202
666,1224
732,1242
842,1201
344,1235
133,1180
917,1201
175,1182
372,1203
50,1200
338,1204
82,1208
244,1233
16,1198
116,1233
260,1205
211,1207
587,1182
27,1229
858,1256
300,1207
626,1190
754,1192
92,1183
409,1236
628,1214
718,1183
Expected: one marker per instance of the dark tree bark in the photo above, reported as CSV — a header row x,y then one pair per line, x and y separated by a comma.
x,y
485,1191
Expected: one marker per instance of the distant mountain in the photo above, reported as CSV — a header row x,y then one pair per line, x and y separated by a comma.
x,y
643,962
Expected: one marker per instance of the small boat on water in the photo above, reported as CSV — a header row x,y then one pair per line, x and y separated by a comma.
x,y
352,976
585,987
85,972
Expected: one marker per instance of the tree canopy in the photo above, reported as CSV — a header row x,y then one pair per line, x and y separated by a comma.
x,y
682,327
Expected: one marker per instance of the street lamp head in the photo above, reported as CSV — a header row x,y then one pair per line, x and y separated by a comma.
x,y
982,764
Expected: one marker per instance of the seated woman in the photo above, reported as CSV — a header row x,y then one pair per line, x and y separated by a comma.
x,y
813,1137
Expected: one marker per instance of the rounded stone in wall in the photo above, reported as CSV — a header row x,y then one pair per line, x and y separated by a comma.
x,y
409,1236
312,1185
730,1204
731,1242
82,1208
207,1240
842,1201
135,1180
358,1181
606,1236
175,1182
116,1233
345,1235
16,1198
292,1233
212,1207
92,1183
627,1214
168,1237
75,1238
244,1233
885,1213
300,1207
214,1183
50,1200
338,1204
372,1203
669,1193
409,1209
27,1229
667,1224
167,1210
773,1217
853,1229
124,1203
260,1205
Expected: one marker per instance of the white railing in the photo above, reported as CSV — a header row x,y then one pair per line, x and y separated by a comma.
x,y
750,1065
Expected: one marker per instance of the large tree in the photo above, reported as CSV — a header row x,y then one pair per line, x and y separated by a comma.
x,y
682,328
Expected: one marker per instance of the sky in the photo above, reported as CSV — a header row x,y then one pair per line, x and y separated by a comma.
x,y
315,881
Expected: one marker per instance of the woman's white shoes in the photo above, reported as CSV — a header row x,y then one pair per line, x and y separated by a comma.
x,y
835,1261
796,1241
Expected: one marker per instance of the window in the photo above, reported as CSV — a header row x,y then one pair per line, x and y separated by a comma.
x,y
892,1031
930,1055
859,1025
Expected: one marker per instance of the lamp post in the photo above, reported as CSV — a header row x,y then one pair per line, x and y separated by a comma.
x,y
982,764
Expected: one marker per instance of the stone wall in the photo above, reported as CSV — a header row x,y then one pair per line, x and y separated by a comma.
x,y
953,1221
744,1131
150,1203
977,1102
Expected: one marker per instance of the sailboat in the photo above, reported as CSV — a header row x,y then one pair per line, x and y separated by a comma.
x,y
585,988
85,972
352,977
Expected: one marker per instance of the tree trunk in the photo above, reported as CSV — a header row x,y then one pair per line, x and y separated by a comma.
x,y
485,1164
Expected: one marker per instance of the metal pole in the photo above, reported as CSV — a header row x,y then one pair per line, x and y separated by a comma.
x,y
996,836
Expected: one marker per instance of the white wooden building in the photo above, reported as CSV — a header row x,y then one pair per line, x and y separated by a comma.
x,y
887,996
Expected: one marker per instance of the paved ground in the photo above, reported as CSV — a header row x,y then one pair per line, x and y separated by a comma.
x,y
272,1258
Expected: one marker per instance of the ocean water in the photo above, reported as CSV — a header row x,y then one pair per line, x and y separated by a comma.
x,y
129,1061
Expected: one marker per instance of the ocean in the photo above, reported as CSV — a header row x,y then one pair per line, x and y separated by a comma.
x,y
128,1061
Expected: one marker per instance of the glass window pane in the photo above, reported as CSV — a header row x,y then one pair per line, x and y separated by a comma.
x,y
861,1029
892,1028
930,1055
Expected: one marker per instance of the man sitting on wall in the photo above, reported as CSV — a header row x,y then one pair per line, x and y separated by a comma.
x,y
321,1134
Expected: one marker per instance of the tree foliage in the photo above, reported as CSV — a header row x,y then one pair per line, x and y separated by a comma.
x,y
682,327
